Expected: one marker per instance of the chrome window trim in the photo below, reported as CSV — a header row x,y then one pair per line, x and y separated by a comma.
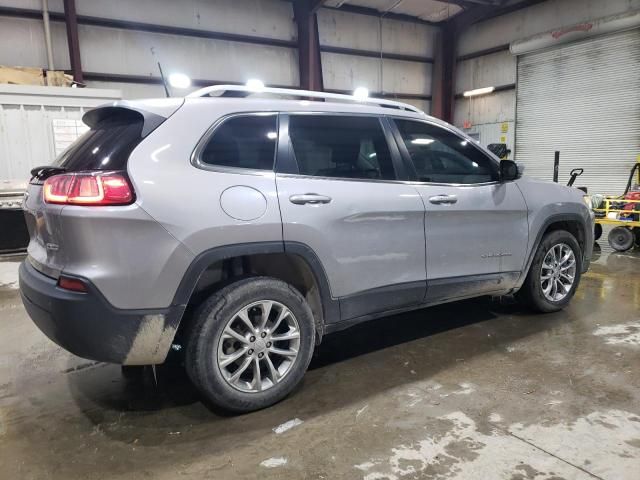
x,y
195,155
404,182
204,140
481,184
339,179
455,132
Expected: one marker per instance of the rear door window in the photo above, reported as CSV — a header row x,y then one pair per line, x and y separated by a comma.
x,y
106,146
247,141
339,146
441,156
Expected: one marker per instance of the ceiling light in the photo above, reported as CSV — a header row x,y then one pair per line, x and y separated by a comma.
x,y
179,80
361,93
255,85
422,141
478,91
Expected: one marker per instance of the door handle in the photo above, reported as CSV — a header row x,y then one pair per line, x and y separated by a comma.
x,y
309,198
443,199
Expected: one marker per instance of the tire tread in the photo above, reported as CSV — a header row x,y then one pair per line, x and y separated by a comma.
x,y
530,294
207,319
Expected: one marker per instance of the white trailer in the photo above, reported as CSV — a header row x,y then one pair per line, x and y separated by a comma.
x,y
36,125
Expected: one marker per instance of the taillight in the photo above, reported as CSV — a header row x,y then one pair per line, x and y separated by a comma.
x,y
88,188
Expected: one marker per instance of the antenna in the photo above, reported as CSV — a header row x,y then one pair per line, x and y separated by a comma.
x,y
164,80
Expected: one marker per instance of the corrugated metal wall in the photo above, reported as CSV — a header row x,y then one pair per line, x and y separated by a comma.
x,y
363,32
26,137
119,51
582,99
125,52
497,69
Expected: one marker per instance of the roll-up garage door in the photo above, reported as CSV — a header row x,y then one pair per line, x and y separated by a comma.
x,y
582,99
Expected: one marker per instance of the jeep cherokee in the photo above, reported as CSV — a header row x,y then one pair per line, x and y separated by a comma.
x,y
241,229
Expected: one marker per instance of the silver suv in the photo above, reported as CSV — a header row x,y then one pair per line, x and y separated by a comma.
x,y
239,230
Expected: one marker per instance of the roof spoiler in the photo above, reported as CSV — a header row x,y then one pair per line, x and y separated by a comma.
x,y
151,112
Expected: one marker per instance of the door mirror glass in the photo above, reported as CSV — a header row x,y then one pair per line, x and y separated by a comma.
x,y
509,170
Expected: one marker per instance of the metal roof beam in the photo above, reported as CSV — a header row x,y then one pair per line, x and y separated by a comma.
x,y
314,5
474,3
309,61
71,21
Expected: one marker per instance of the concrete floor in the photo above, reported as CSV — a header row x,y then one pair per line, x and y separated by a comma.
x,y
474,390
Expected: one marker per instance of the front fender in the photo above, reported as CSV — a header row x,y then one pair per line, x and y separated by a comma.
x,y
549,203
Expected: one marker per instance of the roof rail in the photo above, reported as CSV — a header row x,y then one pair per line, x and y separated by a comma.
x,y
203,92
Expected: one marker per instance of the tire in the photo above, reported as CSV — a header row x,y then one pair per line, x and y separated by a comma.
x,y
597,231
621,239
532,294
209,346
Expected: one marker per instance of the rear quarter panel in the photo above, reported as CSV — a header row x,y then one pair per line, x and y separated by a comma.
x,y
186,200
46,246
125,253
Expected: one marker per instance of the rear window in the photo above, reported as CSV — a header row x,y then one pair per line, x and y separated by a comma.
x,y
106,146
243,142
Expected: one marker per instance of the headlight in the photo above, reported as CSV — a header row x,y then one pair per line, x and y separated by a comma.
x,y
587,200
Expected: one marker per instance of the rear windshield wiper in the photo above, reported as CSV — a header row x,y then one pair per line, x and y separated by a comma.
x,y
46,171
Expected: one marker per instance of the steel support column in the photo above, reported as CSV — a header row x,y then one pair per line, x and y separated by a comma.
x,y
444,73
71,21
446,48
309,61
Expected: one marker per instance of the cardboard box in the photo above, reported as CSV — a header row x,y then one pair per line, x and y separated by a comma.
x,y
57,78
21,75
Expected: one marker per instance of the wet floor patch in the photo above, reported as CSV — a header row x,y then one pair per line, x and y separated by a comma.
x,y
606,443
287,425
9,275
471,390
273,462
456,449
621,334
3,428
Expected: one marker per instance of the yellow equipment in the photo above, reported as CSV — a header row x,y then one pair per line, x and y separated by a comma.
x,y
622,211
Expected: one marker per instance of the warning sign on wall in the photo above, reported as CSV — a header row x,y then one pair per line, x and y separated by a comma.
x,y
504,128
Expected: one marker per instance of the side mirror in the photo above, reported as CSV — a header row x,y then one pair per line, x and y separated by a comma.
x,y
509,170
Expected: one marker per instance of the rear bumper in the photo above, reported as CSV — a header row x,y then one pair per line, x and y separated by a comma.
x,y
87,325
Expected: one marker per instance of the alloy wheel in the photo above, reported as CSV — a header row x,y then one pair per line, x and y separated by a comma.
x,y
558,272
258,346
